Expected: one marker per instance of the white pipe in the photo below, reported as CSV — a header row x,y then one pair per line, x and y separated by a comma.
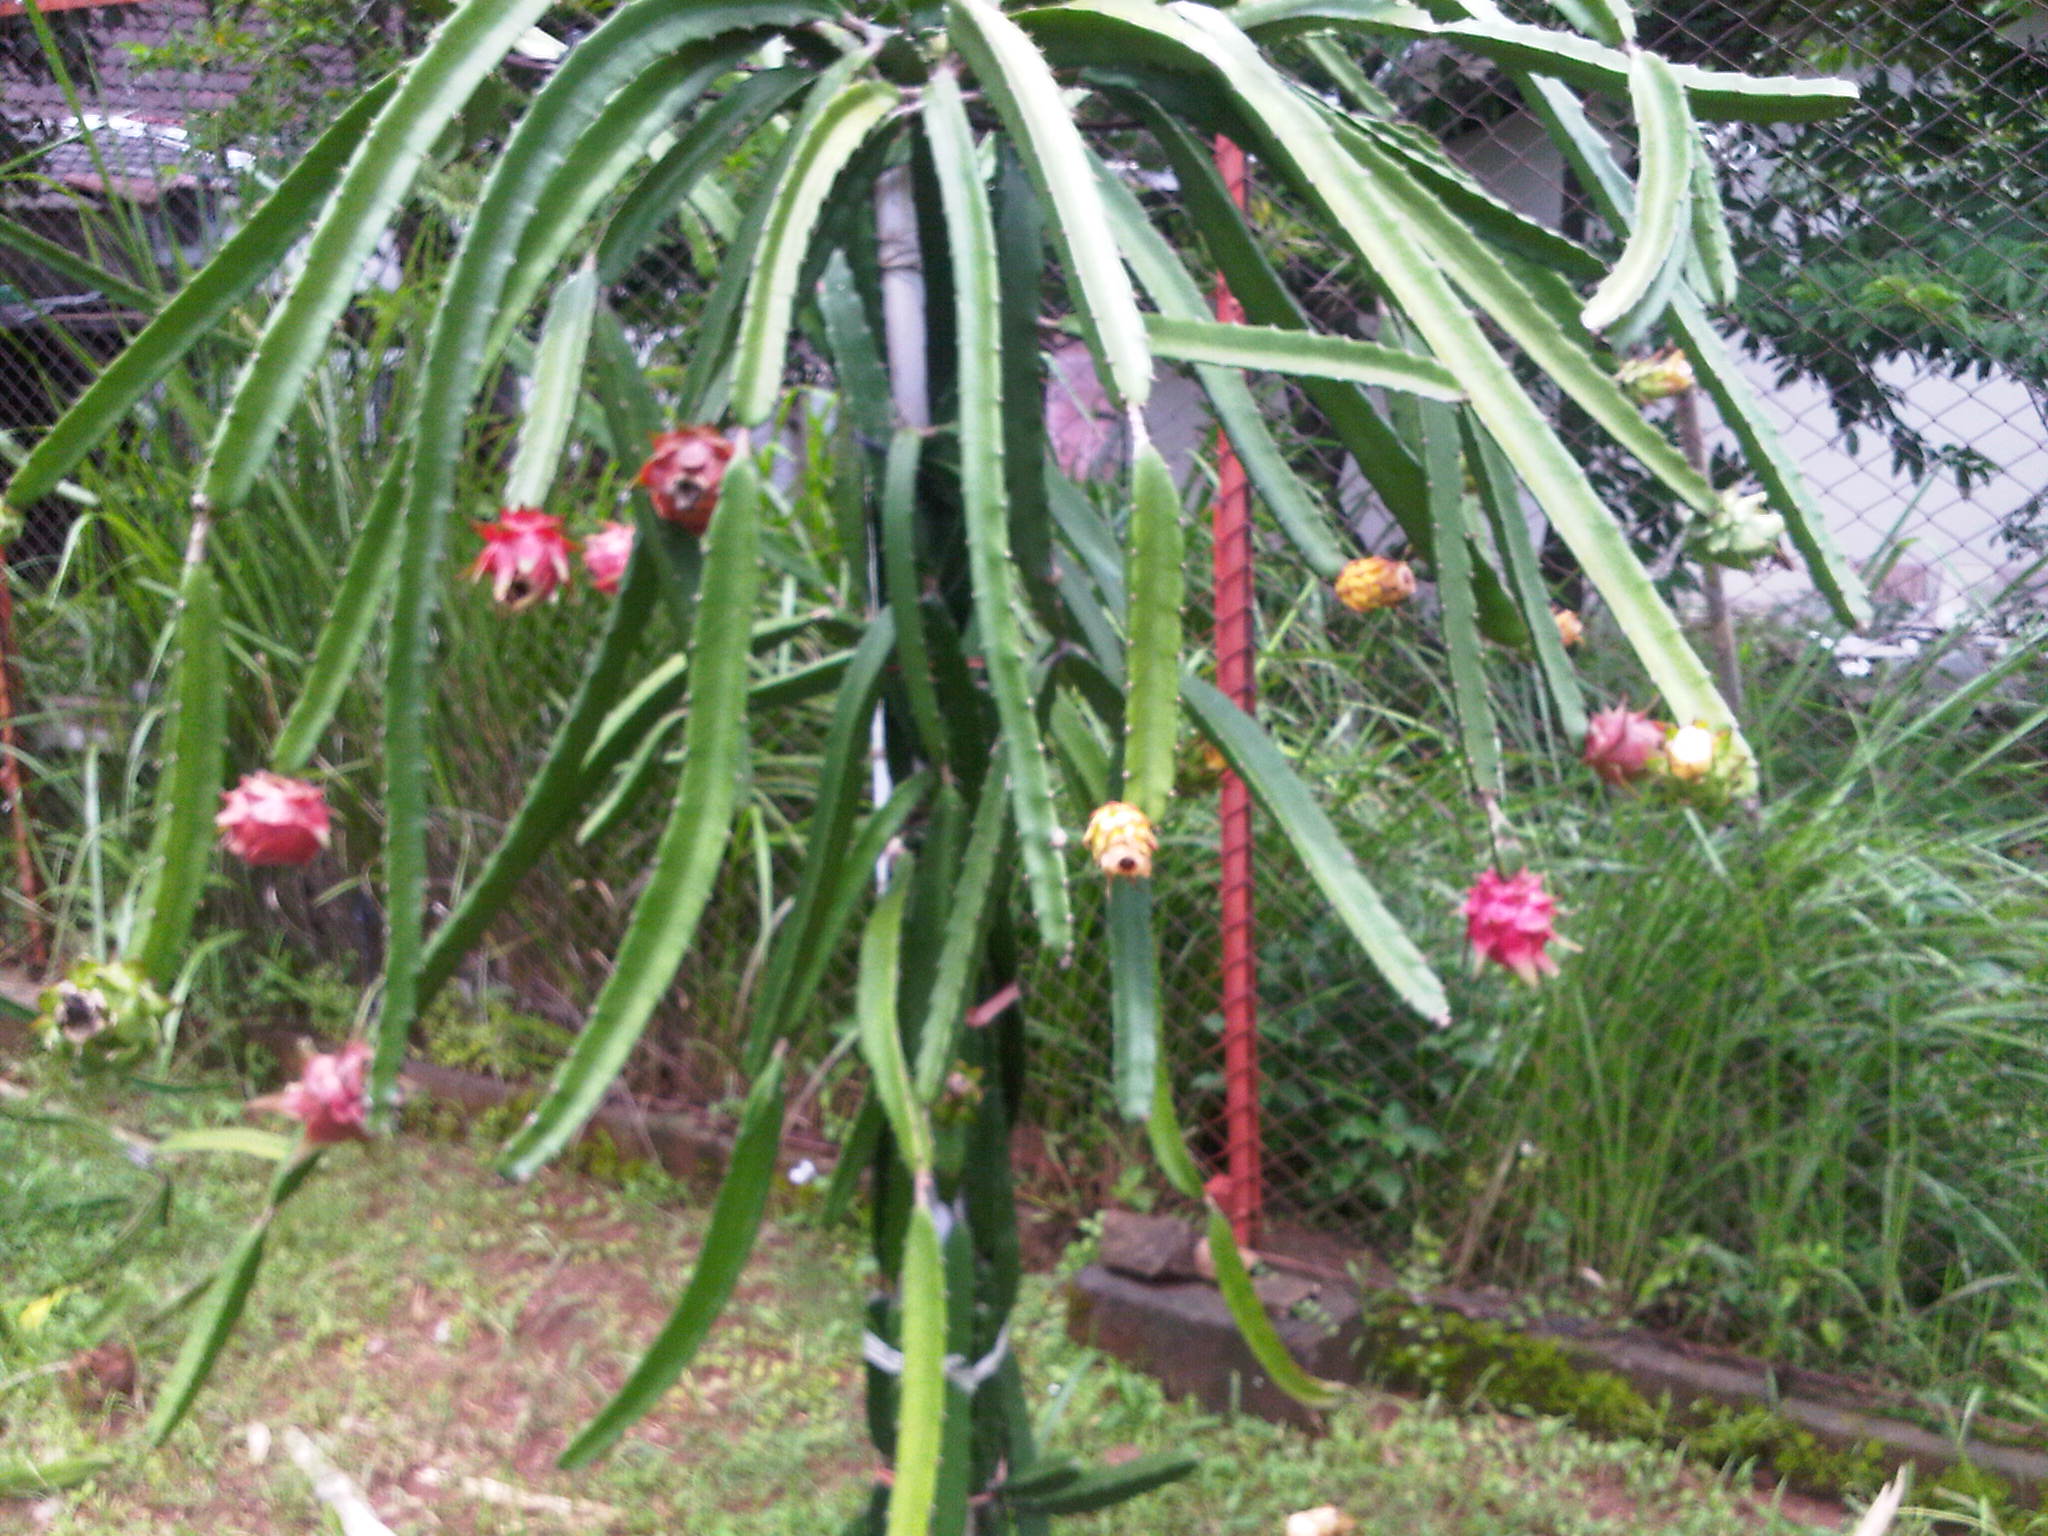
x,y
903,344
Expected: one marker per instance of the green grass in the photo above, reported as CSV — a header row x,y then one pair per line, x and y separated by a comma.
x,y
426,1324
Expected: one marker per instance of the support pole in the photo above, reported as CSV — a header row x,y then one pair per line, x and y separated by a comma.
x,y
903,340
903,325
1230,521
1692,441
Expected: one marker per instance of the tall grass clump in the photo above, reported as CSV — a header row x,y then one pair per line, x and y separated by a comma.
x,y
1789,1094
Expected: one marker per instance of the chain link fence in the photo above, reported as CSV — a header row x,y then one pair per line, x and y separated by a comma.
x,y
1895,262
1897,282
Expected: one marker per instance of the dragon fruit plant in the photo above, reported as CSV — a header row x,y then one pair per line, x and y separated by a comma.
x,y
885,130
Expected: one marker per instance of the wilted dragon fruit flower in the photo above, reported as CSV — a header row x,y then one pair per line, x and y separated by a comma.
x,y
1743,531
76,1014
330,1096
525,554
684,472
605,554
1571,629
270,819
1621,743
1508,921
1375,582
1121,839
1658,376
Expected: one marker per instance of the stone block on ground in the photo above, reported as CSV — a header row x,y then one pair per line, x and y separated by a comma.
x,y
1181,1333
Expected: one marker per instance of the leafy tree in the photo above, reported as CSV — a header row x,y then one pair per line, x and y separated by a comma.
x,y
1911,229
1905,231
1024,649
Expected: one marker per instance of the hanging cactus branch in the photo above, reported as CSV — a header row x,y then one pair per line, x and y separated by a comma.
x,y
1011,653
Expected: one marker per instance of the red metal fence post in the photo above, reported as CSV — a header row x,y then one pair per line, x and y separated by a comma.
x,y
14,786
1231,525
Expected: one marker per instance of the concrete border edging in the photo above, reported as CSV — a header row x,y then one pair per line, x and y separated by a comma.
x,y
1174,1326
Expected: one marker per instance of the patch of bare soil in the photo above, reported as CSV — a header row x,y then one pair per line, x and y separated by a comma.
x,y
461,1395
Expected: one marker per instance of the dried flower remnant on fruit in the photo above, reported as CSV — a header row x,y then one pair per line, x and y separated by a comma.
x,y
101,1011
1689,752
268,819
331,1097
684,472
1570,628
78,1013
1658,376
605,554
1509,920
1622,743
526,556
1121,840
1375,582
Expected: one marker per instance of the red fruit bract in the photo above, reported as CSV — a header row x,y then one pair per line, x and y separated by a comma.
x,y
1620,744
525,554
605,554
270,819
330,1095
684,472
1508,921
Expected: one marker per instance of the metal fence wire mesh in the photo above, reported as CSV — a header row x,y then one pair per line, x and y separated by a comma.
x,y
1895,314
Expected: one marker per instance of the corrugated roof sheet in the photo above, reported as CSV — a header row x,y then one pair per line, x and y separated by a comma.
x,y
141,160
124,89
20,8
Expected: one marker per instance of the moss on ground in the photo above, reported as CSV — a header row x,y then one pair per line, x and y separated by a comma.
x,y
1481,1361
